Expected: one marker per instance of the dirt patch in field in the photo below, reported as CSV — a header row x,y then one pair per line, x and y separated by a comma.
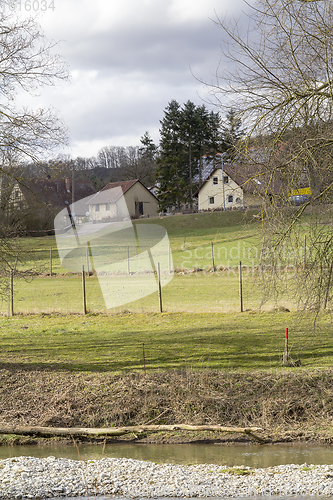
x,y
288,406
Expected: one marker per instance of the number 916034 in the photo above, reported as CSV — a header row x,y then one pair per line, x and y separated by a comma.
x,y
30,5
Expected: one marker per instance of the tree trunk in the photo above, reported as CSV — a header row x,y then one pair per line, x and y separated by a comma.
x,y
120,431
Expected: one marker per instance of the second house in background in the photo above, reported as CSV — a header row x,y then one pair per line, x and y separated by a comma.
x,y
232,186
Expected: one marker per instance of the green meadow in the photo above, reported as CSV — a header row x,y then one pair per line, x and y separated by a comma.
x,y
114,343
200,326
235,236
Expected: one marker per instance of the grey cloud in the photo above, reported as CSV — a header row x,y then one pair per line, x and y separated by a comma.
x,y
139,65
153,50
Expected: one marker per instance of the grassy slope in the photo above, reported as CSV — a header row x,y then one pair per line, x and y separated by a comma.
x,y
190,237
290,405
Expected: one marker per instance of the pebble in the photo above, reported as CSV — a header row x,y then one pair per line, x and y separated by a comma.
x,y
34,478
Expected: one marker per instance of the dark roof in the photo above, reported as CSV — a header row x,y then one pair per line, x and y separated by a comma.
x,y
252,179
207,166
54,194
107,196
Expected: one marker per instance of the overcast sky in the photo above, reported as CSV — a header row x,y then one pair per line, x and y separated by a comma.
x,y
128,59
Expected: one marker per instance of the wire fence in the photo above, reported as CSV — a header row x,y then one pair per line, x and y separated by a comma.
x,y
38,283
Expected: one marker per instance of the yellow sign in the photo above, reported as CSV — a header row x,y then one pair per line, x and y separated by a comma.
x,y
297,192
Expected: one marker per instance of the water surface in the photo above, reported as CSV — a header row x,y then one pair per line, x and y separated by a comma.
x,y
252,455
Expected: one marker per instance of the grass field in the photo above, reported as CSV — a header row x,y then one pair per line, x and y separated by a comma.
x,y
204,361
235,235
193,292
200,325
99,343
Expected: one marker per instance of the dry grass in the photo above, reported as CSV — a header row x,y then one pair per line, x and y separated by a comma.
x,y
283,403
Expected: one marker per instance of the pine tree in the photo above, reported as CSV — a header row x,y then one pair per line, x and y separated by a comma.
x,y
146,160
187,133
168,176
231,134
148,149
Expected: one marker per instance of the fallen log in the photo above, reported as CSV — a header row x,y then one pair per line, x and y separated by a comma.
x,y
120,431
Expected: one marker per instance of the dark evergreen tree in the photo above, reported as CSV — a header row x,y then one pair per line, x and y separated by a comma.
x,y
148,148
208,136
231,134
171,186
187,133
189,125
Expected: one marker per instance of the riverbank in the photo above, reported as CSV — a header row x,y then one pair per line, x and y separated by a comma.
x,y
289,405
28,477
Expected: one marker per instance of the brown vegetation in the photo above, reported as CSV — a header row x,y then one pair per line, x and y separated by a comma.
x,y
287,405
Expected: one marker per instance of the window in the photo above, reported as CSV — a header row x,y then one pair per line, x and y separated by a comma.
x,y
96,208
215,180
139,208
238,200
230,198
225,179
107,207
211,200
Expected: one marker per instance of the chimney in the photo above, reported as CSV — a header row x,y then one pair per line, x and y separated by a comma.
x,y
68,184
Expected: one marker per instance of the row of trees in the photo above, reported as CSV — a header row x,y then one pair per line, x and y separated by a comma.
x,y
188,133
175,165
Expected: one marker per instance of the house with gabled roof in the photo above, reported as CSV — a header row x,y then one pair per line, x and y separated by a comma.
x,y
232,186
118,198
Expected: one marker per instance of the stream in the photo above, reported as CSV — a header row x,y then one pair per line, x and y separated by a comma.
x,y
252,455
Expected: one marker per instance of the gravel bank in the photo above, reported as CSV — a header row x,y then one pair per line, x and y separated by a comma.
x,y
34,478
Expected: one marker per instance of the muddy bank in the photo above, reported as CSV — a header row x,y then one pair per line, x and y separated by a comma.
x,y
295,405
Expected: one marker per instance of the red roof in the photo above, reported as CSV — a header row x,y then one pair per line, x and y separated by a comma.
x,y
107,196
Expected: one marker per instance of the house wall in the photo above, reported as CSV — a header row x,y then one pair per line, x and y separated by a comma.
x,y
100,212
16,199
138,193
210,190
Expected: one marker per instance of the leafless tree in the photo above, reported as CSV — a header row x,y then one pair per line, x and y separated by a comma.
x,y
27,63
280,83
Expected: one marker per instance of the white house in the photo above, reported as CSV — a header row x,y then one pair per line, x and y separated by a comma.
x,y
229,187
220,191
118,199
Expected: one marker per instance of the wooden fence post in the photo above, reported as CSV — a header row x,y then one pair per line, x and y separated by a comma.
x,y
159,286
212,244
87,259
51,261
84,292
240,286
11,294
